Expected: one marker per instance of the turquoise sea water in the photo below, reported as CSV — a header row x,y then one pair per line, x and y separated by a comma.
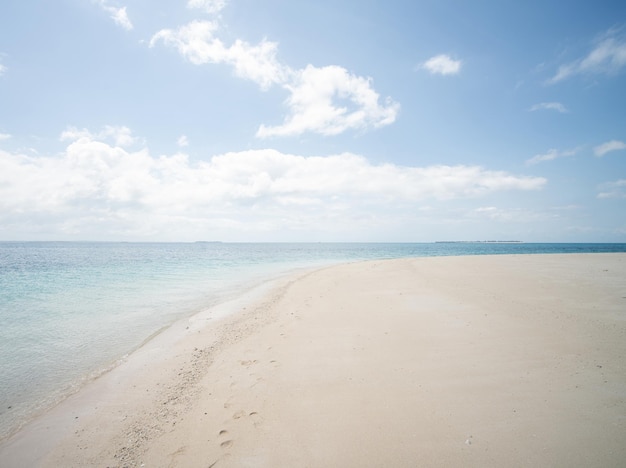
x,y
69,311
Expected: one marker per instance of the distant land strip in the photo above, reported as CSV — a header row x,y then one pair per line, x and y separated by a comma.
x,y
481,242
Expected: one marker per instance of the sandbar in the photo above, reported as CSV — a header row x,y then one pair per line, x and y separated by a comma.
x,y
477,361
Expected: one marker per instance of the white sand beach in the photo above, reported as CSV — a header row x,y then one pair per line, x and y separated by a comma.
x,y
485,361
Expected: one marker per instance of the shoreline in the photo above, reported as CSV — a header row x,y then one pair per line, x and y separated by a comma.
x,y
30,443
224,392
219,305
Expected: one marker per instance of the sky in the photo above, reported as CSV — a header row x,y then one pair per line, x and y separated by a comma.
x,y
313,120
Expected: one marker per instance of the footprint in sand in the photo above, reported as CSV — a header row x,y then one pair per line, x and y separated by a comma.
x,y
255,418
226,443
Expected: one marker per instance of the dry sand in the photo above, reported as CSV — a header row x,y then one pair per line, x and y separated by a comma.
x,y
468,361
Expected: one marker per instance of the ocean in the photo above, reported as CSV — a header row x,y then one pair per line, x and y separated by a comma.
x,y
69,311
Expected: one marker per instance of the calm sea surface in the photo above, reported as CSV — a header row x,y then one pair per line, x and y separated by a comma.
x,y
69,311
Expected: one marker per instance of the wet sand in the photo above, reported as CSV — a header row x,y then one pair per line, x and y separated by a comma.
x,y
516,360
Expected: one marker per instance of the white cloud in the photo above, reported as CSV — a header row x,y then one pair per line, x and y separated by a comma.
x,y
557,106
122,136
511,215
209,6
613,145
121,18
4,136
488,211
442,65
99,189
551,155
607,57
119,135
314,104
326,100
196,42
118,14
3,69
183,141
616,189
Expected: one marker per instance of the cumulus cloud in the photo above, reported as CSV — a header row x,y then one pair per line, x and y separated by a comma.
x,y
125,192
442,65
119,135
556,106
197,42
326,100
607,57
616,189
613,145
209,6
551,155
313,104
117,14
4,136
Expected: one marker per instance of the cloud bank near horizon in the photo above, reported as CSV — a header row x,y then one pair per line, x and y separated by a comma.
x,y
99,182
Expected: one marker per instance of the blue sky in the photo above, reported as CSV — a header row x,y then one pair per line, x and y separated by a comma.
x,y
276,120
